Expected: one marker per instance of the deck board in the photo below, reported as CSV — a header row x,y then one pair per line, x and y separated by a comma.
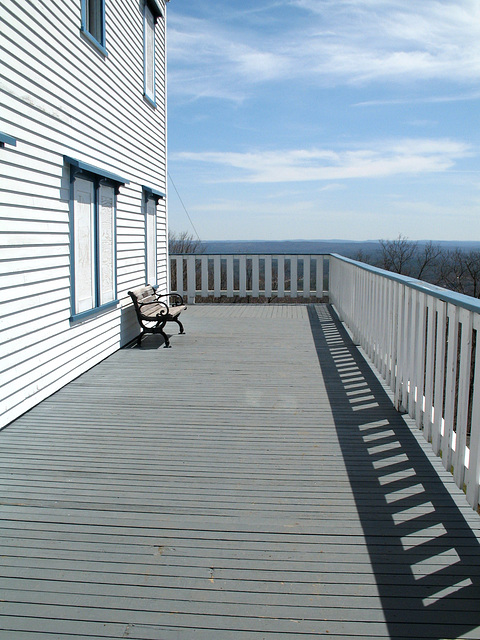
x,y
252,482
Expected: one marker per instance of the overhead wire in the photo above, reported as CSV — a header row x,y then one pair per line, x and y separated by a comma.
x,y
184,207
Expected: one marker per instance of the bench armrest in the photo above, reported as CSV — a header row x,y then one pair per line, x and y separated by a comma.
x,y
175,299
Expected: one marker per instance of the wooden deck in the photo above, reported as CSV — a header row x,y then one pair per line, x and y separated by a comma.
x,y
253,482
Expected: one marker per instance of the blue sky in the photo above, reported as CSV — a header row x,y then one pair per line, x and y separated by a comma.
x,y
322,119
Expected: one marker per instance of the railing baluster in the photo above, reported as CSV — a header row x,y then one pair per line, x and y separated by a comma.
x,y
306,276
242,265
191,278
255,276
204,276
293,276
281,276
429,369
229,262
268,276
439,376
217,276
319,284
180,287
473,472
451,377
462,392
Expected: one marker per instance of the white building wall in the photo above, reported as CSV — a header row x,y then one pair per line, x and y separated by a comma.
x,y
61,96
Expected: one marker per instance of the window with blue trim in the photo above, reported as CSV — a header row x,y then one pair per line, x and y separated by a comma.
x,y
93,22
151,12
93,238
150,199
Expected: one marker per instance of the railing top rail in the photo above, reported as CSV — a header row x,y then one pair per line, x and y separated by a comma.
x,y
459,299
248,254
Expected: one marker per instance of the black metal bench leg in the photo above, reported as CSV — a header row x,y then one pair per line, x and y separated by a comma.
x,y
139,339
182,330
165,337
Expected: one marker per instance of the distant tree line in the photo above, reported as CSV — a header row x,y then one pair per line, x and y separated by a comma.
x,y
454,269
183,242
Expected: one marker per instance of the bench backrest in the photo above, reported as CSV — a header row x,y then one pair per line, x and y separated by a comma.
x,y
143,294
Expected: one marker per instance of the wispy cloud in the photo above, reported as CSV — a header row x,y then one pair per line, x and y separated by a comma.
x,y
411,156
327,42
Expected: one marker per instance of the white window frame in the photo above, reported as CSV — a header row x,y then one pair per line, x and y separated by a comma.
x,y
93,23
151,241
93,194
150,200
151,12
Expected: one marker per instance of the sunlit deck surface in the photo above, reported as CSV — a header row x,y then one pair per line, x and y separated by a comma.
x,y
253,482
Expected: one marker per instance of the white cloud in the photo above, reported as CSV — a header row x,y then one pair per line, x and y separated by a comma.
x,y
410,156
328,41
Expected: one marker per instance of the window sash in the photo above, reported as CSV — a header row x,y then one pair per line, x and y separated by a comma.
x,y
151,241
93,244
93,21
106,244
149,54
84,245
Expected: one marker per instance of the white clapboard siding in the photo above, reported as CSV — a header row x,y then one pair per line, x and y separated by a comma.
x,y
61,97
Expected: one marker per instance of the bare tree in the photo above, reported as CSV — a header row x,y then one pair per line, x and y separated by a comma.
x,y
397,255
460,272
183,242
426,262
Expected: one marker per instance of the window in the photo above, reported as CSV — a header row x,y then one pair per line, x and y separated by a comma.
x,y
92,210
151,12
151,198
93,22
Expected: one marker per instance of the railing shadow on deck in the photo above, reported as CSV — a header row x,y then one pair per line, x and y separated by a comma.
x,y
425,556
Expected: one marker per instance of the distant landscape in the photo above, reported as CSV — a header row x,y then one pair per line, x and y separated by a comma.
x,y
454,265
348,248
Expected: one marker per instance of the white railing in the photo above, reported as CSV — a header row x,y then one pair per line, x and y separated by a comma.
x,y
249,276
424,341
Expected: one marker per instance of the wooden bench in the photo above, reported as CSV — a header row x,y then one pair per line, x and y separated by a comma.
x,y
154,310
